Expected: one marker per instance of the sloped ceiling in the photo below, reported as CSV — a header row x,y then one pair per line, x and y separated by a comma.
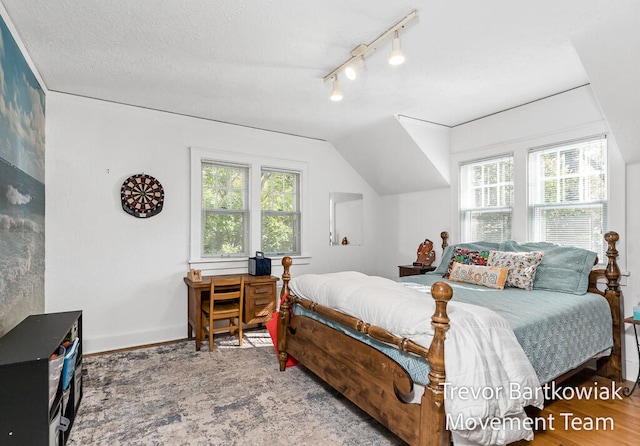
x,y
386,155
610,53
260,63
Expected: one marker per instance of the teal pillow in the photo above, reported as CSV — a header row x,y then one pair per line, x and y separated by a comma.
x,y
444,262
564,269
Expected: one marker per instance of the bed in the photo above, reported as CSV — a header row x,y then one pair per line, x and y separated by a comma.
x,y
403,377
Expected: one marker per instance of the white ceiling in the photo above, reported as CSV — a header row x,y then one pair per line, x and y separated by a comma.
x,y
261,63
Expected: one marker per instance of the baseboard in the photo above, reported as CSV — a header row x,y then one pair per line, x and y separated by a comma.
x,y
102,344
631,370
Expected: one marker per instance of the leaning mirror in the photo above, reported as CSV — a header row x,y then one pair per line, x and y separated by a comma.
x,y
345,218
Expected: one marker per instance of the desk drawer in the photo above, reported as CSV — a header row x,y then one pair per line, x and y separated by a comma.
x,y
259,302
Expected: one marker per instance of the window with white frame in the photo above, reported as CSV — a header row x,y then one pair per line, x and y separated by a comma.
x,y
280,210
486,199
225,210
568,194
242,203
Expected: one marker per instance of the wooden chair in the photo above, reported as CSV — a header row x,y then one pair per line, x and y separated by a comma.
x,y
225,302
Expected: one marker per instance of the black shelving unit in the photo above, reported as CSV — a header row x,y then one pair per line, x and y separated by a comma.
x,y
25,415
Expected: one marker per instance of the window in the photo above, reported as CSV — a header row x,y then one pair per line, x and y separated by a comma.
x,y
225,212
568,194
486,199
279,202
242,203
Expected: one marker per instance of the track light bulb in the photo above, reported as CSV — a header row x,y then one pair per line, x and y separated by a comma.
x,y
354,68
397,56
351,72
336,94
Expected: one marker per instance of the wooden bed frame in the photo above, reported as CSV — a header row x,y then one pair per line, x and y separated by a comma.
x,y
377,384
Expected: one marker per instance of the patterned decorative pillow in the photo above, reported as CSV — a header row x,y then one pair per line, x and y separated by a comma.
x,y
471,246
489,276
564,269
467,257
522,266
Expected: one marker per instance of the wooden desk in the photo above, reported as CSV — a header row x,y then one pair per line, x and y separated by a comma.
x,y
259,301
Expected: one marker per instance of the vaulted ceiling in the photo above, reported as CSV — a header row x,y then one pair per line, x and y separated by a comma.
x,y
261,63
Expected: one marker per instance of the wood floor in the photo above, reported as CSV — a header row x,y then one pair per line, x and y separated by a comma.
x,y
600,421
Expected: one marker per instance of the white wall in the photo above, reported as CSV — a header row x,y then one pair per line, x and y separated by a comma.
x,y
126,273
406,220
632,290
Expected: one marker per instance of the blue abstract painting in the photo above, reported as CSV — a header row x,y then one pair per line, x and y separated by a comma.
x,y
22,192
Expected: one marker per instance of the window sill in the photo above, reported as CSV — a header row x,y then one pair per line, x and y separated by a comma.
x,y
237,265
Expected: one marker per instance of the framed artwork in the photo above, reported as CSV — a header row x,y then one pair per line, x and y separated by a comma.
x,y
22,188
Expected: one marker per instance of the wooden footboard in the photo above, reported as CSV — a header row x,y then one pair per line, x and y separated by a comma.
x,y
370,379
365,376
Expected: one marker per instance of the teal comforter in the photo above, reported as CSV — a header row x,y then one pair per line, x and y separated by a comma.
x,y
557,331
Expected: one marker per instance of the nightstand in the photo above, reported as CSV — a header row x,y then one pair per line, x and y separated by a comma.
x,y
631,320
410,270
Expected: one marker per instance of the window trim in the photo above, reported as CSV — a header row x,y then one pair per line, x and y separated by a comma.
x,y
245,212
520,150
463,230
255,164
579,204
500,140
297,214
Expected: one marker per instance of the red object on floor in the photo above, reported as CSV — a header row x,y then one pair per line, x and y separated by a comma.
x,y
272,328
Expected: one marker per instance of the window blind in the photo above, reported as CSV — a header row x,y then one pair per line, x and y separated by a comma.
x,y
568,193
486,199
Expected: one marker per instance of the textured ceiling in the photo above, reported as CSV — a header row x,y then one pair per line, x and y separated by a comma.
x,y
261,63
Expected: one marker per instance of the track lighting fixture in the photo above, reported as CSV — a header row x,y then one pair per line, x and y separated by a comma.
x,y
397,56
336,94
356,62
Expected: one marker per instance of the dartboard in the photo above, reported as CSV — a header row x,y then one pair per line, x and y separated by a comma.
x,y
142,196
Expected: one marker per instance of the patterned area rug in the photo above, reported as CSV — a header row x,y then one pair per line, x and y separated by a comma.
x,y
173,395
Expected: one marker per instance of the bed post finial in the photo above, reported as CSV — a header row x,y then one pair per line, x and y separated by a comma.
x,y
286,276
444,235
612,273
433,398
